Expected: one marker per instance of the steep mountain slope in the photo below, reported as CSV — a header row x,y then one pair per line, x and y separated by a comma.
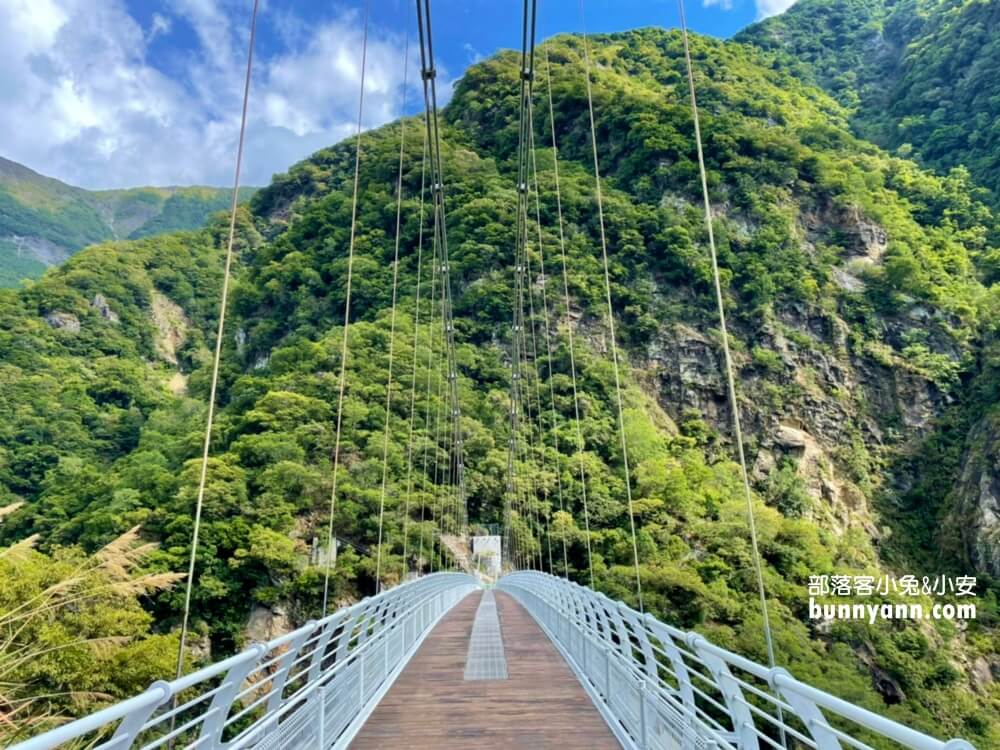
x,y
922,76
855,283
43,221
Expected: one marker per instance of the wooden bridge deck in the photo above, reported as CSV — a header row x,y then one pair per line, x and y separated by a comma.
x,y
540,705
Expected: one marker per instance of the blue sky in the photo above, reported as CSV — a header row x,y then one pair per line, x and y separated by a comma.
x,y
118,93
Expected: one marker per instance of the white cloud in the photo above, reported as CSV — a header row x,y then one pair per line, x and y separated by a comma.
x,y
768,8
161,25
474,55
723,4
296,96
81,100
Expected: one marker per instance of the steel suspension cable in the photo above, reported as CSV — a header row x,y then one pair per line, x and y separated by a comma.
x,y
547,324
429,77
540,448
531,450
514,485
217,357
529,482
451,500
611,313
436,446
569,322
531,170
519,449
528,21
413,380
442,469
344,349
727,357
427,399
524,390
392,326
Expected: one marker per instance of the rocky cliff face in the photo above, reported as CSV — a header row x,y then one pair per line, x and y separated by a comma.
x,y
976,509
810,394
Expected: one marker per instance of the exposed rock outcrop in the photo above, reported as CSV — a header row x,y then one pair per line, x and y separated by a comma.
x,y
100,303
171,327
266,623
63,321
813,398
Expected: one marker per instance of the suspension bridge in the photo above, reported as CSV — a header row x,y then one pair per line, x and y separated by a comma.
x,y
455,658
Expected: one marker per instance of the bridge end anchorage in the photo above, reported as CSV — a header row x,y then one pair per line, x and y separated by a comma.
x,y
656,687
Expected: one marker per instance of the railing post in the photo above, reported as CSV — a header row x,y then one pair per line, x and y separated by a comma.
x,y
361,681
732,694
321,734
351,620
284,665
681,674
132,723
316,663
806,711
639,631
385,653
607,674
369,614
598,617
643,721
215,717
624,643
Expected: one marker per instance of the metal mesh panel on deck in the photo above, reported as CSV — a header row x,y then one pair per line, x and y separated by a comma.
x,y
486,659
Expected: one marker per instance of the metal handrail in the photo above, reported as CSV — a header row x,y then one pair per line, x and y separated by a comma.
x,y
630,664
658,687
311,687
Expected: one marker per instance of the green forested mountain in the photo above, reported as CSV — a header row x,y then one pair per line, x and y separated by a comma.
x,y
920,76
859,286
43,221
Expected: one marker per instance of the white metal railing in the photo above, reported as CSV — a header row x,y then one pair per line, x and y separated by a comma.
x,y
658,687
661,688
311,688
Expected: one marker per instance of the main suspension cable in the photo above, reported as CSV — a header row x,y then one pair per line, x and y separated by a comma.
x,y
217,358
611,313
347,313
528,25
727,357
569,322
429,76
524,276
392,325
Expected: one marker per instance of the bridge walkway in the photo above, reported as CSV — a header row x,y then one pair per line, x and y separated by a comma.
x,y
540,705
